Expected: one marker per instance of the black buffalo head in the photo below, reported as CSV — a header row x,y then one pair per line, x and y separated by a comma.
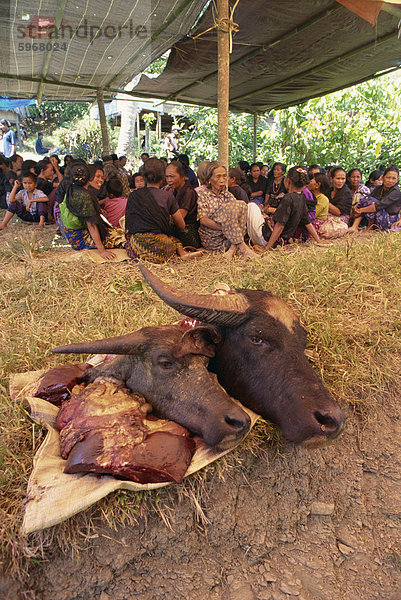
x,y
169,367
260,359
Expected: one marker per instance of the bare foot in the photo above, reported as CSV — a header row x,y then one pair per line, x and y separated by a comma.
x,y
2,227
352,230
230,253
259,249
190,255
246,251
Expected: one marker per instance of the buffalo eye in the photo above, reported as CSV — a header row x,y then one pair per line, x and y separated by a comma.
x,y
164,363
257,340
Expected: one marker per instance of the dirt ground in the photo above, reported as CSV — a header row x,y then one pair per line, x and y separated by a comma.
x,y
318,524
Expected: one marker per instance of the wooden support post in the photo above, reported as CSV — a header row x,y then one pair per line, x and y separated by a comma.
x,y
159,127
223,80
138,128
103,122
255,133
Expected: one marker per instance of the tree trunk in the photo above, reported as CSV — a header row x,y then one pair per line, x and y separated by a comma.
x,y
126,139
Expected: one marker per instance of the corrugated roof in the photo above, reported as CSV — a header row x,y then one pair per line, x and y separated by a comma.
x,y
66,49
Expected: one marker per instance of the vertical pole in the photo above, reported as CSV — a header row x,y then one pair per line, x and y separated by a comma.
x,y
103,122
223,80
159,127
255,131
138,128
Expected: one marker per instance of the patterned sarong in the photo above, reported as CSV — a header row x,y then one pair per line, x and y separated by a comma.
x,y
80,239
155,247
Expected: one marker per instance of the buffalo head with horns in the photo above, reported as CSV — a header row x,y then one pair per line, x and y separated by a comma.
x,y
260,359
169,367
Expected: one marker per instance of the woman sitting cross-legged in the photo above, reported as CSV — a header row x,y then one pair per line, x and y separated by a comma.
x,y
222,217
81,221
187,199
340,196
383,206
29,204
147,219
290,213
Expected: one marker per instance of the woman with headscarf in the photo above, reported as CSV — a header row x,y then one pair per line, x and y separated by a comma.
x,y
81,221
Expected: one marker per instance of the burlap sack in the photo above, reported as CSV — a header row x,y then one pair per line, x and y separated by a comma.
x,y
53,496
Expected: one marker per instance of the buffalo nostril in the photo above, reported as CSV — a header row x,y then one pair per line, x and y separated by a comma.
x,y
235,423
328,424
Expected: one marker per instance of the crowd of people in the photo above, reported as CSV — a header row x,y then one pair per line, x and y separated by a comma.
x,y
165,210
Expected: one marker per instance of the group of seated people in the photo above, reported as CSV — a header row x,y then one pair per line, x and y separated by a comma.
x,y
164,210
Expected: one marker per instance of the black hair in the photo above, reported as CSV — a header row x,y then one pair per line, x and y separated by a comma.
x,y
30,175
153,170
324,183
93,170
298,176
4,160
120,157
334,170
67,156
244,165
114,187
374,176
107,158
145,154
164,159
42,164
98,163
27,166
279,164
315,166
135,175
352,170
392,168
254,165
236,173
184,158
14,157
179,167
114,156
56,157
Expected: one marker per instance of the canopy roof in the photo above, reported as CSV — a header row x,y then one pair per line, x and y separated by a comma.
x,y
66,49
283,53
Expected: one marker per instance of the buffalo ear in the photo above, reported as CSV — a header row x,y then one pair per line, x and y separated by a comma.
x,y
199,340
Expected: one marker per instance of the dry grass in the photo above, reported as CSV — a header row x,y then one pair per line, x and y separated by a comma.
x,y
347,295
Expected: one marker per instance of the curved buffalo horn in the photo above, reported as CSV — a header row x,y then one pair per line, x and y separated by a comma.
x,y
124,344
228,310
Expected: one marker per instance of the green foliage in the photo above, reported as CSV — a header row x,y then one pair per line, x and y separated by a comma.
x,y
83,139
62,111
359,126
201,141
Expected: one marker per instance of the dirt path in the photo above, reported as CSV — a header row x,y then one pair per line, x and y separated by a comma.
x,y
304,524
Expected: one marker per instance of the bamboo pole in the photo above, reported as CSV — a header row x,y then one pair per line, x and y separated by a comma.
x,y
103,122
255,131
223,79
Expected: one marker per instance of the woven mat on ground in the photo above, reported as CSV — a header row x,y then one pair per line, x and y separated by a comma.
x,y
53,496
120,255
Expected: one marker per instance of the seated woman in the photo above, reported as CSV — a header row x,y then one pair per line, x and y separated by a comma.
x,y
358,190
187,199
222,217
340,196
383,206
257,184
29,204
375,179
234,185
80,216
319,185
275,188
291,213
147,219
